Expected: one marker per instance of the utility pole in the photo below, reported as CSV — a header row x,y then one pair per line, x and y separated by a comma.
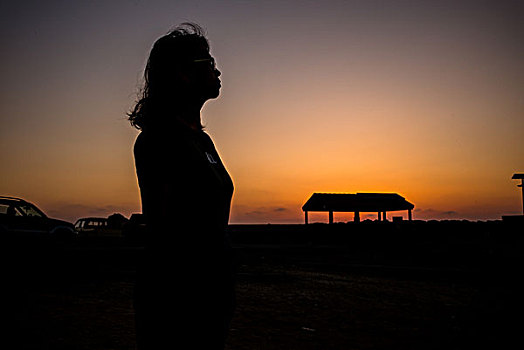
x,y
521,178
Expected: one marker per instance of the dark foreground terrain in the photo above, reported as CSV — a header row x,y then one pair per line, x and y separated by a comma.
x,y
422,285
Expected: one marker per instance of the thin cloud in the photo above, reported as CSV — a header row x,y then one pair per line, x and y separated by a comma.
x,y
435,213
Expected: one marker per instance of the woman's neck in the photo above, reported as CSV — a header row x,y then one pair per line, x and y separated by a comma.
x,y
190,115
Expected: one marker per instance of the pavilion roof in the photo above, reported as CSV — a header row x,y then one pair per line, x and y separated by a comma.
x,y
361,202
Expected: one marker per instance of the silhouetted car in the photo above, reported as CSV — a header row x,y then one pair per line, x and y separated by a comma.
x,y
21,219
97,227
89,226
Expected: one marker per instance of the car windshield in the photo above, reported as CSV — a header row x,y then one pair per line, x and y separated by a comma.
x,y
30,210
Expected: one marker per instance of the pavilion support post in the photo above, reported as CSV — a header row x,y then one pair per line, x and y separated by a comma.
x,y
521,178
306,217
410,215
357,217
379,216
330,216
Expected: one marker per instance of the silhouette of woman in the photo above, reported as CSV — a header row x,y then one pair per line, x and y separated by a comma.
x,y
184,289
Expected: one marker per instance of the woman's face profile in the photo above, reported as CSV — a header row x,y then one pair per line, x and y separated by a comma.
x,y
203,76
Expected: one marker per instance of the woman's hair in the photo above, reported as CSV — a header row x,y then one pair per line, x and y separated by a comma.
x,y
169,52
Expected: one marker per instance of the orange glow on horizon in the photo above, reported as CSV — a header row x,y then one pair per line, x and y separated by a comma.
x,y
343,97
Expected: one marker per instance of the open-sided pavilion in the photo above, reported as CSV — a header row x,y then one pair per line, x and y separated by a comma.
x,y
357,203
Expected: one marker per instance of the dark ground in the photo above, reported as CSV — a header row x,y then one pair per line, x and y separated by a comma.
x,y
425,285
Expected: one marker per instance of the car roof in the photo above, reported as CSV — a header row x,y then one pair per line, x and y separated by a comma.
x,y
9,197
12,199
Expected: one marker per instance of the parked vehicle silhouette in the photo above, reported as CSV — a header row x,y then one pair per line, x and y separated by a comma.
x,y
92,226
101,227
22,219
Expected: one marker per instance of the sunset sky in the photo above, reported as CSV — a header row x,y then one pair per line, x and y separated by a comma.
x,y
420,98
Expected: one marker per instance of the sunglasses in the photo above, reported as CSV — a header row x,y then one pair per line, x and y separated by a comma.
x,y
210,61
